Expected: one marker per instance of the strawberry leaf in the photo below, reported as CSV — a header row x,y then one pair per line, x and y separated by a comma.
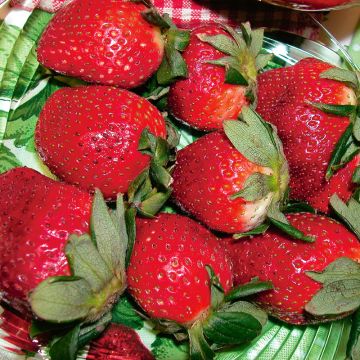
x,y
231,327
153,17
238,37
151,189
275,214
93,330
162,152
252,138
234,76
262,60
125,313
139,188
221,42
243,60
86,261
233,71
131,232
349,212
199,348
340,269
253,287
356,176
66,347
261,229
340,293
246,32
295,207
338,297
256,187
39,327
353,349
290,230
247,308
256,40
109,232
217,291
339,110
173,66
62,300
344,151
153,204
173,137
160,176
356,130
346,76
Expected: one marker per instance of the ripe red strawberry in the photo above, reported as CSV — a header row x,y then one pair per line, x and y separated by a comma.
x,y
118,342
232,182
221,74
37,215
309,135
207,173
89,136
284,261
167,274
102,42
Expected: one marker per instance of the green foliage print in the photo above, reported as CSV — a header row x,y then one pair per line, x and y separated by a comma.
x,y
7,159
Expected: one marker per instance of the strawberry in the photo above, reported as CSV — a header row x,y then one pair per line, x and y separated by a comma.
x,y
118,342
102,42
179,274
207,173
289,264
88,136
37,216
290,99
222,69
176,249
233,181
79,306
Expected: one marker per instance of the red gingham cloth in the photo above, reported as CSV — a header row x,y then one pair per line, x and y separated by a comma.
x,y
47,5
192,13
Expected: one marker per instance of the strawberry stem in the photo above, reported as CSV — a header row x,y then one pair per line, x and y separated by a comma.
x,y
199,348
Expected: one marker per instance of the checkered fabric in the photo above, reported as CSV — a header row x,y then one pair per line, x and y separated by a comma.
x,y
47,5
192,13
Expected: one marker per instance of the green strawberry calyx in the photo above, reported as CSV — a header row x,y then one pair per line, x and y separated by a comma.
x,y
173,66
97,264
258,142
340,292
230,319
348,145
348,212
152,188
243,57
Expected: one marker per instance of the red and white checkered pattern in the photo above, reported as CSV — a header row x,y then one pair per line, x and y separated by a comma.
x,y
192,13
47,5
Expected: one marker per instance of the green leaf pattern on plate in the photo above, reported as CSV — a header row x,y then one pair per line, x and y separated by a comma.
x,y
25,86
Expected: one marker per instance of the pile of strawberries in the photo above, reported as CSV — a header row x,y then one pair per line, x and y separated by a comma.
x,y
275,161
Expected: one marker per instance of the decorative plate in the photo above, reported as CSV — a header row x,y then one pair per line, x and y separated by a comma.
x,y
24,87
